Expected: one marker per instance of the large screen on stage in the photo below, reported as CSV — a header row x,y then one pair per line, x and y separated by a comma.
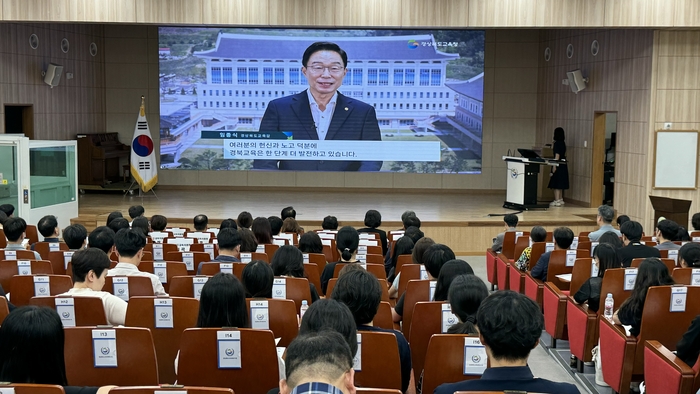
x,y
321,99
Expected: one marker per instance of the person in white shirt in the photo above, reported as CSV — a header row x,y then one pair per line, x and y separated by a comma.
x,y
129,244
89,272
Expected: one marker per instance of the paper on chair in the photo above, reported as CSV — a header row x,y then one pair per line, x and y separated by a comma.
x,y
564,277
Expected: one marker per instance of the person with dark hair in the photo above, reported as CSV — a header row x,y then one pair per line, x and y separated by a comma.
x,y
275,224
537,234
510,222
248,242
228,223
683,235
449,271
245,220
563,238
414,233
129,244
8,209
288,212
466,294
262,231
434,258
403,246
666,233
48,228
330,223
420,248
75,236
559,176
118,224
689,255
290,225
373,219
159,223
89,272
411,221
604,220
651,272
328,314
102,238
695,221
321,113
32,350
222,303
347,242
113,215
141,223
136,211
15,231
612,239
510,325
604,257
200,222
621,219
289,261
688,348
318,363
3,218
631,235
361,292
310,243
257,279
230,247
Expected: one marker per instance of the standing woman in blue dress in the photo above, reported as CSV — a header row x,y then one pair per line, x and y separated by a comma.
x,y
559,180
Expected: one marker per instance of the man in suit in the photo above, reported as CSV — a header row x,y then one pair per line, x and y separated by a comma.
x,y
321,113
633,249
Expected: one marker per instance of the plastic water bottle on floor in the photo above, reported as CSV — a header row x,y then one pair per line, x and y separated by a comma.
x,y
609,305
304,307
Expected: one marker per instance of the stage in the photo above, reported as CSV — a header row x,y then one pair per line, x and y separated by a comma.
x,y
459,220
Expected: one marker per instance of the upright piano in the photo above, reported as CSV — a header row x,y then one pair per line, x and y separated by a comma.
x,y
98,158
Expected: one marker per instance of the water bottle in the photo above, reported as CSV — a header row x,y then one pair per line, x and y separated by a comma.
x,y
609,305
304,307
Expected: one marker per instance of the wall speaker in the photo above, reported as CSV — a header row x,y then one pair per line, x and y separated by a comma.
x,y
53,73
576,81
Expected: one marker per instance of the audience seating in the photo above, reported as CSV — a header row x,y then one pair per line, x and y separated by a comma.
x,y
427,320
165,249
89,311
374,259
683,276
664,372
381,365
4,309
624,355
554,300
402,260
444,361
9,268
161,389
670,263
198,362
21,255
270,250
384,285
297,290
416,291
58,261
583,323
490,268
330,251
32,234
138,285
538,249
383,318
211,268
313,274
534,288
282,319
408,272
375,269
198,258
141,313
520,245
182,286
30,388
23,287
200,236
516,278
3,240
205,247
502,265
172,268
136,358
508,248
319,259
44,248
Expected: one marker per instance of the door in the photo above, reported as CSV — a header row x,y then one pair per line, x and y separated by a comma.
x,y
9,184
603,158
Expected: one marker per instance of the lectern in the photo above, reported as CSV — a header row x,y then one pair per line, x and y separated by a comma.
x,y
521,184
670,208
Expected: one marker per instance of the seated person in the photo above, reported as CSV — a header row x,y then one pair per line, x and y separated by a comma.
x,y
248,242
604,257
563,237
290,225
449,271
631,235
416,258
537,234
683,235
159,223
112,216
245,220
15,231
228,223
3,217
347,241
200,223
666,233
136,211
89,272
288,261
48,228
288,212
404,246
466,294
689,255
275,224
229,241
695,221
373,219
257,279
129,244
330,223
612,239
604,220
118,224
510,221
30,331
361,292
621,219
262,231
102,238
8,210
310,243
510,325
412,232
142,224
688,348
75,236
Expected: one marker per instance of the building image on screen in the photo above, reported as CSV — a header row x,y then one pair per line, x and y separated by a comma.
x,y
426,88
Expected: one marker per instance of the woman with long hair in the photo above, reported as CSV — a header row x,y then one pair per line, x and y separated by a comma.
x,y
465,296
262,230
559,180
604,257
289,261
346,241
449,271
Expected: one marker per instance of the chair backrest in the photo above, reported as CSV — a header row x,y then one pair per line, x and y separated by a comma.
x,y
59,261
558,266
508,247
89,311
30,388
210,248
383,318
270,250
329,250
44,248
23,287
428,318
580,274
258,360
416,291
319,259
162,389
184,286
136,357
17,255
444,361
211,268
614,283
10,268
408,272
281,316
669,263
4,309
164,270
191,259
375,269
173,319
183,244
684,276
313,275
380,363
137,286
372,259
402,260
520,244
297,290
538,249
159,250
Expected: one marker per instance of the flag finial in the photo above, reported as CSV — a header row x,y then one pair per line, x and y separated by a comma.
x,y
143,106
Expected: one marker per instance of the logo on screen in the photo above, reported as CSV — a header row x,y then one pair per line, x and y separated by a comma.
x,y
412,44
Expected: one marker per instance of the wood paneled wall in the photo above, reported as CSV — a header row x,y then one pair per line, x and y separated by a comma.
x,y
429,13
620,81
74,106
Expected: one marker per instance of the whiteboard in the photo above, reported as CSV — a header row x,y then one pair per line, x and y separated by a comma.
x,y
676,159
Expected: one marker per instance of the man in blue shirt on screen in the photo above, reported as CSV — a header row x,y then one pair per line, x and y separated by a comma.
x,y
321,113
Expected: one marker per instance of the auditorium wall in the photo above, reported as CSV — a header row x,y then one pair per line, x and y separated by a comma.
x,y
75,106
